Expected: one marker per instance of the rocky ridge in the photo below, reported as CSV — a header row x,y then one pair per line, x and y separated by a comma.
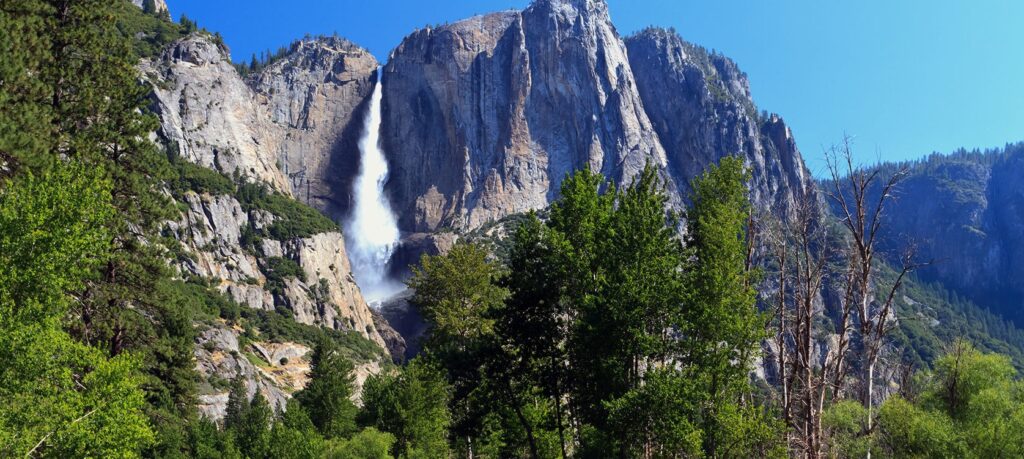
x,y
481,119
284,128
484,117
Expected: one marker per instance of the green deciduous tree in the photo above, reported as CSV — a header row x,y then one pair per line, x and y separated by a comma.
x,y
722,328
458,294
369,443
61,398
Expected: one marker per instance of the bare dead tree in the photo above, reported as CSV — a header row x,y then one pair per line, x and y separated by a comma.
x,y
800,247
862,213
810,265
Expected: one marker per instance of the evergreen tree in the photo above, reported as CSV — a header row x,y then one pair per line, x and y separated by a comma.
x,y
149,7
238,403
26,119
253,432
412,406
327,396
294,436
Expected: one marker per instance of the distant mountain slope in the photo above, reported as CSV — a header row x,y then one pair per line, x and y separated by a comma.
x,y
965,211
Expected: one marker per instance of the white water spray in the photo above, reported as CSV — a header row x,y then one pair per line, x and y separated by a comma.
x,y
371,232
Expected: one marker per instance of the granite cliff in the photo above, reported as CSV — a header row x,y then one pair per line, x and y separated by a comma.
x,y
285,129
965,213
481,119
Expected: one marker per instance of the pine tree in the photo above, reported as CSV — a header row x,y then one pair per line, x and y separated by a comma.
x,y
238,403
149,7
327,397
253,433
294,435
26,119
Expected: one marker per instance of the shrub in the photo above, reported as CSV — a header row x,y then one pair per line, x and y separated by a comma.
x,y
294,219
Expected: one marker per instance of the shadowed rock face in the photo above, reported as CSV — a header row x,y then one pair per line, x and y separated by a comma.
x,y
965,212
485,117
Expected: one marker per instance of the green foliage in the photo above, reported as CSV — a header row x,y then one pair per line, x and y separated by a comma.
x,y
294,219
238,403
279,269
457,293
252,431
969,406
26,125
667,430
845,424
327,395
294,436
193,177
150,32
367,444
411,405
604,328
61,397
723,327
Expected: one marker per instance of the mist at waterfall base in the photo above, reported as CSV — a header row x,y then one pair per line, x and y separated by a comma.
x,y
371,232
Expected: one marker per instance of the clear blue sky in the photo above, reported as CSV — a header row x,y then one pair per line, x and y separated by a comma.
x,y
904,77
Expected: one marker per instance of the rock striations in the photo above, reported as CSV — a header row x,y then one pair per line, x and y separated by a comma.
x,y
496,110
288,127
484,117
481,119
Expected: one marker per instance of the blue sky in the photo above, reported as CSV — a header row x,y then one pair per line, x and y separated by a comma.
x,y
903,77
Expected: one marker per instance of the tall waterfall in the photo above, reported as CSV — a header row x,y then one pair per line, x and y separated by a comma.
x,y
371,232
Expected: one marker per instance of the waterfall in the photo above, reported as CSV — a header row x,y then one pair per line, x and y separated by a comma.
x,y
371,232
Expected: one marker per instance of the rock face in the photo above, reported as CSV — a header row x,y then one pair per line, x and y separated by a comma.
x,y
701,107
481,119
290,127
211,232
484,117
161,5
294,125
966,213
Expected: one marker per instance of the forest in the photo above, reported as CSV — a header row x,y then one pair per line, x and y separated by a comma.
x,y
610,325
